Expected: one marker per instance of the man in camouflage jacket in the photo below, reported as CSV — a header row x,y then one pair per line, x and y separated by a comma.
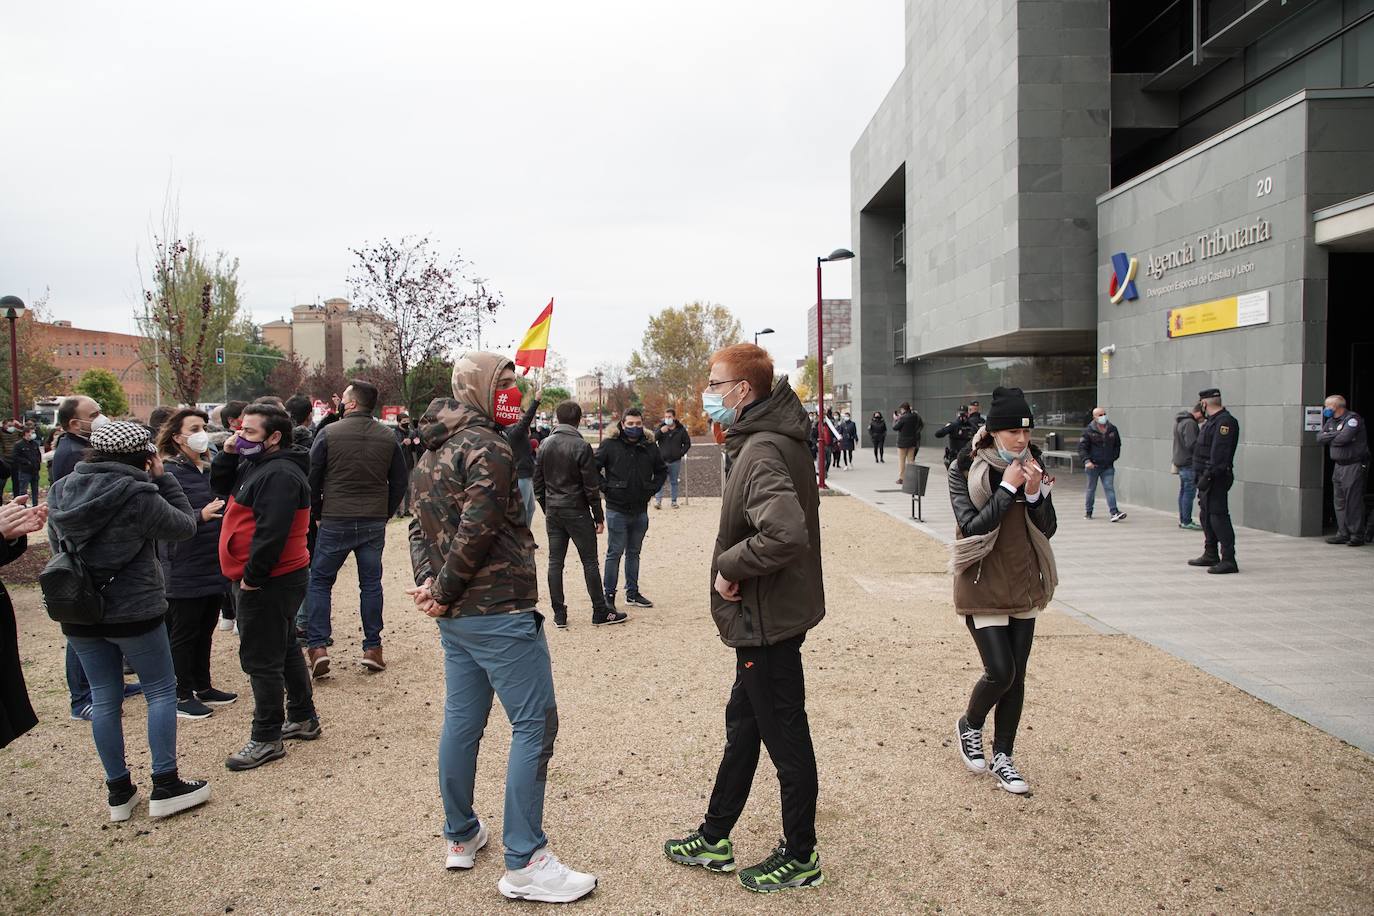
x,y
473,557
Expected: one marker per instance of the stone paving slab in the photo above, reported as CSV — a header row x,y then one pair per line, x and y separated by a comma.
x,y
1295,628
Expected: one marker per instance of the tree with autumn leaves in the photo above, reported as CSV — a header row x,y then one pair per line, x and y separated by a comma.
x,y
673,360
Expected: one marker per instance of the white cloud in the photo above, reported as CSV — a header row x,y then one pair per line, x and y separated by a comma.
x,y
619,156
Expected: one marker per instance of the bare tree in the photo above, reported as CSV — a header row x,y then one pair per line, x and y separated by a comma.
x,y
433,303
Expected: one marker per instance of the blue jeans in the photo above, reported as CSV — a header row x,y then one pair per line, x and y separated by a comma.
x,y
102,658
527,494
505,654
1108,478
28,482
77,685
1187,494
366,539
625,538
670,485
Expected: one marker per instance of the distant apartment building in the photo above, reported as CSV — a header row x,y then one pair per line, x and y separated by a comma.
x,y
586,392
74,350
837,326
333,335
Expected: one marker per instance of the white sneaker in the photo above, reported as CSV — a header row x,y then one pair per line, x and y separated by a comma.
x,y
547,880
225,623
464,854
1007,775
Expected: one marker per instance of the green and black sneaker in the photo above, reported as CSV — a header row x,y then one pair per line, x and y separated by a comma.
x,y
781,872
697,850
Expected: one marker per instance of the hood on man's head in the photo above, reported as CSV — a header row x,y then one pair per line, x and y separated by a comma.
x,y
474,380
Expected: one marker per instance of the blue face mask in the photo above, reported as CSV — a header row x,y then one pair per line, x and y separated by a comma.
x,y
714,405
633,433
1102,420
1009,457
1328,413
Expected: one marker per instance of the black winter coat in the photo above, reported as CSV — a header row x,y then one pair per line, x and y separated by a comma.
x,y
117,515
27,457
908,429
16,713
877,430
1100,446
191,568
631,473
674,443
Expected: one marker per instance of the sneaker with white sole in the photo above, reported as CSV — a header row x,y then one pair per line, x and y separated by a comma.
x,y
123,799
971,745
191,708
172,794
1007,775
463,855
546,880
225,624
1118,516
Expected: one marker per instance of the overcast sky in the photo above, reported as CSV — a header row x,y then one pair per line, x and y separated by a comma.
x,y
618,156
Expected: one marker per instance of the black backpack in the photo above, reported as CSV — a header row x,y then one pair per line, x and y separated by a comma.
x,y
70,593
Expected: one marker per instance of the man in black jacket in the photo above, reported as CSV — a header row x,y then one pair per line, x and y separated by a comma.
x,y
568,488
908,429
26,461
519,437
357,478
1099,448
674,442
632,470
959,433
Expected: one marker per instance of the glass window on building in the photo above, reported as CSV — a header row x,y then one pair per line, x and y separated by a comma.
x,y
1357,54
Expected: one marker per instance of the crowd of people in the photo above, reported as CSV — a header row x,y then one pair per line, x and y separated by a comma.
x,y
245,518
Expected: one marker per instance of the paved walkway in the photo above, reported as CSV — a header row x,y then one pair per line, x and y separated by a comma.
x,y
1295,628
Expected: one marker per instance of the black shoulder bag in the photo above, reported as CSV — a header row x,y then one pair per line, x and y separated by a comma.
x,y
70,593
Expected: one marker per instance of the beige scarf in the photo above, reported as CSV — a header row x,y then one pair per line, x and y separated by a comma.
x,y
970,549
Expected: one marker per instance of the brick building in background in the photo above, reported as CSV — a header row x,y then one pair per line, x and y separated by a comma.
x,y
73,350
837,327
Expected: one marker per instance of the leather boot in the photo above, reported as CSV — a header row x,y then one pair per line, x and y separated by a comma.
x,y
1227,564
1208,558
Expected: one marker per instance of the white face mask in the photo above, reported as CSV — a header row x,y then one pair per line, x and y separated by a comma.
x,y
98,421
198,442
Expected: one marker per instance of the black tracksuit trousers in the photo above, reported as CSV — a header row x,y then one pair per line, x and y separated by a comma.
x,y
768,705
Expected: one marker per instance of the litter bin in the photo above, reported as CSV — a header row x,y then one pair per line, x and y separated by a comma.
x,y
1051,442
914,485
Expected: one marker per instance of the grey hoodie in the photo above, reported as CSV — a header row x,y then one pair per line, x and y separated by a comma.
x,y
1185,437
122,514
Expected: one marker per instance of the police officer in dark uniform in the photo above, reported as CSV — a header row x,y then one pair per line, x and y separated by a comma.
x,y
1344,432
1214,458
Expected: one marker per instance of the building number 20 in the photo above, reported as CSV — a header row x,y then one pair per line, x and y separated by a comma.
x,y
1264,185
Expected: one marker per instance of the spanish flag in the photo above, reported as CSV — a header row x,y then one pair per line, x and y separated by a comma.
x,y
535,347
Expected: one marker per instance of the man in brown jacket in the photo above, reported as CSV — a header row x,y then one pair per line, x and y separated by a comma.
x,y
768,592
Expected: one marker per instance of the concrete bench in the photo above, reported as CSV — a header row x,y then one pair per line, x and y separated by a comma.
x,y
1061,455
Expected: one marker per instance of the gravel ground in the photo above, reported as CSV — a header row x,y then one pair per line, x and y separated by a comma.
x,y
1157,787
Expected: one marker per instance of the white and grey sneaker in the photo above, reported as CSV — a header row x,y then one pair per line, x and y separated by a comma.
x,y
546,880
971,745
1118,516
464,855
255,754
1007,775
225,624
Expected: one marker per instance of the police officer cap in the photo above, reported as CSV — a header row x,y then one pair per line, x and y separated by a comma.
x,y
1206,393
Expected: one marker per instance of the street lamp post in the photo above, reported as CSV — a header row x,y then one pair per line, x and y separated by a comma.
x,y
600,411
823,433
758,334
14,307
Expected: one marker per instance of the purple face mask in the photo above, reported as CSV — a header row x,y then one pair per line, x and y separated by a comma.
x,y
246,448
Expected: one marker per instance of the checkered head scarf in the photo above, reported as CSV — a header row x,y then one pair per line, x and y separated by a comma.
x,y
120,437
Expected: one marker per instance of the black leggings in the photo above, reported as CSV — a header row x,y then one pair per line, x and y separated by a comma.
x,y
1005,651
878,451
848,454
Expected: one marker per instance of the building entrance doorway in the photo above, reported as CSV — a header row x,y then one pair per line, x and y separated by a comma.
x,y
1349,345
